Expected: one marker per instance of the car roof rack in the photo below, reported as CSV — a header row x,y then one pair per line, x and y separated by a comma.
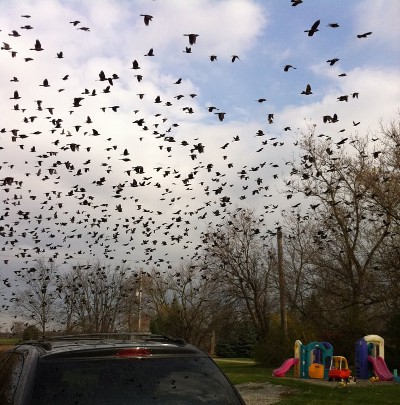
x,y
45,342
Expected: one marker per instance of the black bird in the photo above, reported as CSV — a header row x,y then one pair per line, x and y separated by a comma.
x,y
102,76
135,65
45,83
16,96
38,46
365,35
234,57
146,18
307,91
333,61
77,101
14,34
287,67
213,58
333,25
328,118
150,53
212,108
221,115
192,38
313,29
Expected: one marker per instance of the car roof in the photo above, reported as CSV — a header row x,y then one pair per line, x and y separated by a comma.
x,y
108,344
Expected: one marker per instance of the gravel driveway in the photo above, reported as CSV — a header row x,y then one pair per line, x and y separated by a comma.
x,y
263,393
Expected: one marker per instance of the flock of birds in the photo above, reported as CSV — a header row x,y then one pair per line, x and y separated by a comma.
x,y
68,199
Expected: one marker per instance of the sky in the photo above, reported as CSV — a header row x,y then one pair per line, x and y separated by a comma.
x,y
130,165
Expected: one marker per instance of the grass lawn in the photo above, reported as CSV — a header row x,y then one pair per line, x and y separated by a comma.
x,y
312,393
9,341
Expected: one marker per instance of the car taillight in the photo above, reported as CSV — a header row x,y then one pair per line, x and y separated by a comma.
x,y
133,352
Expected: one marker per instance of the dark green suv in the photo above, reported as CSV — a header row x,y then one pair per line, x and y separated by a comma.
x,y
112,369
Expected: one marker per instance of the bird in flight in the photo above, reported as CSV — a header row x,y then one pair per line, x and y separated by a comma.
x,y
313,29
192,38
365,35
135,65
221,115
307,91
16,96
77,101
146,18
150,53
38,46
333,61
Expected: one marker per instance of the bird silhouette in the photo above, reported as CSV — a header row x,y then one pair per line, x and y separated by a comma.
x,y
220,115
287,67
313,29
307,91
147,18
365,35
333,61
192,38
38,46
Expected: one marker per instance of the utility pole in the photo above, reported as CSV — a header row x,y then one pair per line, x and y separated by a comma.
x,y
282,287
139,295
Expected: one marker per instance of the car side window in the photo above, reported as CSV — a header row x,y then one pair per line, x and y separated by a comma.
x,y
10,373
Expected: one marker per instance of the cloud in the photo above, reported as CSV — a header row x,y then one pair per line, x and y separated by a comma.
x,y
108,196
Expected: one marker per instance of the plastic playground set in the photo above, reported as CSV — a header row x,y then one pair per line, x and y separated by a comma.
x,y
316,360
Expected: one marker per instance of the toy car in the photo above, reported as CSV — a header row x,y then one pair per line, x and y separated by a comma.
x,y
339,369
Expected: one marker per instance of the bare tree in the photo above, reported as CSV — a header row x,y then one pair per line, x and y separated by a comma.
x,y
93,297
347,231
236,257
38,301
134,312
188,305
298,253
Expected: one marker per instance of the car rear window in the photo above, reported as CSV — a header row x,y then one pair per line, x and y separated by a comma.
x,y
187,380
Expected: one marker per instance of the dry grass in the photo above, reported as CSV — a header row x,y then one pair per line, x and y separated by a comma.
x,y
5,347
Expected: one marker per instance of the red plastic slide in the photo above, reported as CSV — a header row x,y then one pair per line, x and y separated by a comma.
x,y
380,368
284,368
